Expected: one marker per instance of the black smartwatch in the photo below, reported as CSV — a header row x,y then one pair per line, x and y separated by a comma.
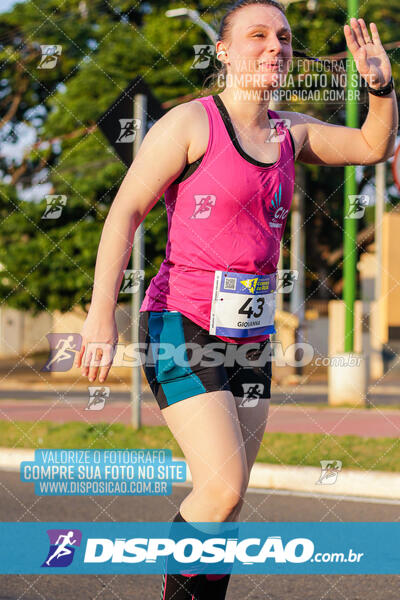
x,y
384,91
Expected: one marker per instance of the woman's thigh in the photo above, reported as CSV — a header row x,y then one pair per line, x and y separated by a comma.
x,y
253,421
219,436
250,382
207,429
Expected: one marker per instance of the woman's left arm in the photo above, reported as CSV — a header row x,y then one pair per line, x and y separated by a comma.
x,y
325,144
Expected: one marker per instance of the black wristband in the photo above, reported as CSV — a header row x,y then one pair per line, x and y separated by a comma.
x,y
382,91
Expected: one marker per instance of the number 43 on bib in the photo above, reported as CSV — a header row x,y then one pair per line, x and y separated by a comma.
x,y
243,305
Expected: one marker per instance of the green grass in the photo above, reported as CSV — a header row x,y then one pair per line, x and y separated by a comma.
x,y
304,449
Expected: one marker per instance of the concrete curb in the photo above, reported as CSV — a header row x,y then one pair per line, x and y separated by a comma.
x,y
376,484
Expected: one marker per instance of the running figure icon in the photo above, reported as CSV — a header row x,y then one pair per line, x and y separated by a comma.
x,y
204,204
254,392
62,348
62,550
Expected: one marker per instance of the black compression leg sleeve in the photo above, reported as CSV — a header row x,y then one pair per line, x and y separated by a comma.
x,y
177,586
202,586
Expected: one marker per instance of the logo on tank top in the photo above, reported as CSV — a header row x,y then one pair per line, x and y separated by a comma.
x,y
203,206
278,213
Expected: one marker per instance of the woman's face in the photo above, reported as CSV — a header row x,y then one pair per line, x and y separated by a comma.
x,y
259,50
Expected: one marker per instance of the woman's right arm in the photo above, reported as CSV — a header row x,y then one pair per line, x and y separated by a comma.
x,y
160,159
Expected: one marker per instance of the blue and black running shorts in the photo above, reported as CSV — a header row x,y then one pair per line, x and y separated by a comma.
x,y
181,359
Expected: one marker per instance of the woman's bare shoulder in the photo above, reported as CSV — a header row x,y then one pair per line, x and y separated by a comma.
x,y
193,112
195,117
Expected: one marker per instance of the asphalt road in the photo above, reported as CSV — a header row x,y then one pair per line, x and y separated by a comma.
x,y
19,503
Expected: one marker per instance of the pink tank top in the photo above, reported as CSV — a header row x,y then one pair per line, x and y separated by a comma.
x,y
228,215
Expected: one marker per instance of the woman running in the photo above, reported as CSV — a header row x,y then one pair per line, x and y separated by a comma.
x,y
225,163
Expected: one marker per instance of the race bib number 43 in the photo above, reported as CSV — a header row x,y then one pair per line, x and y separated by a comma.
x,y
243,305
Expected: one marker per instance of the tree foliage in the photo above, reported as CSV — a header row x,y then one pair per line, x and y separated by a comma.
x,y
49,264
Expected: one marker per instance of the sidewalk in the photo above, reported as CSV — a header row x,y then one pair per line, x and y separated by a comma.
x,y
65,401
27,394
285,419
25,379
27,374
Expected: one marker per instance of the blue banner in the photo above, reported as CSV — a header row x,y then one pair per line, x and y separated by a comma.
x,y
257,547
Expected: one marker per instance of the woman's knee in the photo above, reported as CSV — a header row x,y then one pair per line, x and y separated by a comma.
x,y
225,495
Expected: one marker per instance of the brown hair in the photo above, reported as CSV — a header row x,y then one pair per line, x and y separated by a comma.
x,y
226,28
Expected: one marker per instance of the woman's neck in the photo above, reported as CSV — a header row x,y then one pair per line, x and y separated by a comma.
x,y
249,108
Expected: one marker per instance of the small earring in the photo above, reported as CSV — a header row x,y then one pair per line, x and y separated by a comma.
x,y
220,52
